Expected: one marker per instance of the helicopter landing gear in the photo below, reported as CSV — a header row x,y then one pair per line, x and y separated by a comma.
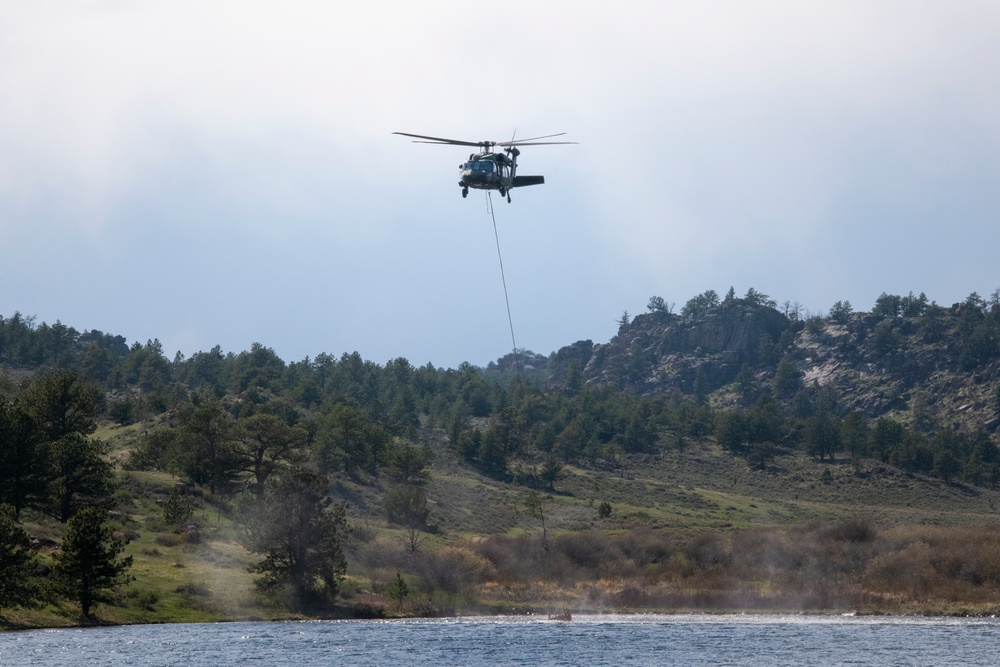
x,y
465,192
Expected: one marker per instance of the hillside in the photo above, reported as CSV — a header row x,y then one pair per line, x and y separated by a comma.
x,y
942,362
732,456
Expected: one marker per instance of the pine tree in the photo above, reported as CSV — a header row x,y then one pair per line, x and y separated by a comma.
x,y
18,587
87,566
298,530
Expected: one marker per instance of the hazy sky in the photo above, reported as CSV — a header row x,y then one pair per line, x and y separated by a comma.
x,y
224,172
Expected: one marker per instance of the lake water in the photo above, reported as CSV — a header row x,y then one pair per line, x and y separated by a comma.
x,y
587,641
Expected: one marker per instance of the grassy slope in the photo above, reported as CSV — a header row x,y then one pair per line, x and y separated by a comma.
x,y
704,488
700,489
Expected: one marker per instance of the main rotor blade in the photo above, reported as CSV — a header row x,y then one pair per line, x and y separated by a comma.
x,y
537,143
513,142
439,140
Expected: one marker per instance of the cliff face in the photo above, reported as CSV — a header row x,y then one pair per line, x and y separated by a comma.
x,y
942,365
661,351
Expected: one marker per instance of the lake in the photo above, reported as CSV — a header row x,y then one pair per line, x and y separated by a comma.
x,y
587,641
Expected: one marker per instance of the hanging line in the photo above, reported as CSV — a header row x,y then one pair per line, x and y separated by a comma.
x,y
510,320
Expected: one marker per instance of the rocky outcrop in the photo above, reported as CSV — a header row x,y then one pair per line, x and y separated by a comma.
x,y
661,351
941,363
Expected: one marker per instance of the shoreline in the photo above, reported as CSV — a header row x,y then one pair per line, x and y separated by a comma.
x,y
540,614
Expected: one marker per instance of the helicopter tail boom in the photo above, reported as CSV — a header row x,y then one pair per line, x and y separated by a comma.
x,y
523,181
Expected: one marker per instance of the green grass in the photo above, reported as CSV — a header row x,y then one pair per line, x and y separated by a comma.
x,y
674,498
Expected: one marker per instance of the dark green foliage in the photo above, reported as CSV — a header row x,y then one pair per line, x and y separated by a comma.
x,y
146,367
731,429
787,377
264,444
913,306
888,305
755,298
18,586
886,435
744,381
658,305
768,352
298,530
885,338
623,321
207,446
406,505
753,431
178,509
551,472
761,454
981,346
814,324
398,590
841,311
62,403
87,566
407,463
204,369
347,438
822,435
260,368
82,476
700,304
604,509
122,410
25,465
854,433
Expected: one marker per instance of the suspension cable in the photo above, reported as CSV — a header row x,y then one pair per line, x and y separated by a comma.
x,y
510,320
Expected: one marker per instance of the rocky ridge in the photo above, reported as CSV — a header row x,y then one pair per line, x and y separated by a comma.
x,y
912,368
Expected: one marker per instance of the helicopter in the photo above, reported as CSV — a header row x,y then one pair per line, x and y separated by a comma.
x,y
489,170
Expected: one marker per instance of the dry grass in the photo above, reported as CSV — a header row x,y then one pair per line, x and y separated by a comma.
x,y
823,567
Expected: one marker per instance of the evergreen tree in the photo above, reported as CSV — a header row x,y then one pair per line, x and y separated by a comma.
x,y
208,446
841,311
82,476
298,530
787,377
406,505
62,403
698,305
398,590
263,445
822,435
87,566
25,467
18,587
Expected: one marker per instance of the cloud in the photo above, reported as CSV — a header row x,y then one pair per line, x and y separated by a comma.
x,y
236,159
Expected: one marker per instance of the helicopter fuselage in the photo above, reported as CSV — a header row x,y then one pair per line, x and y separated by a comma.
x,y
486,171
493,171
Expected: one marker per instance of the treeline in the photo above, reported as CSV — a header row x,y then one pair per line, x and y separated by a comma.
x,y
233,419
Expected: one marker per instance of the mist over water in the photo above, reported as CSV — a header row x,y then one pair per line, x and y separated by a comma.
x,y
596,640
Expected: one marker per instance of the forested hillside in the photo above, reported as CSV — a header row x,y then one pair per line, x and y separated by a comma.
x,y
730,414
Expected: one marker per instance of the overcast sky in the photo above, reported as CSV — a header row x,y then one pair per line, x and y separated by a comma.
x,y
223,173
